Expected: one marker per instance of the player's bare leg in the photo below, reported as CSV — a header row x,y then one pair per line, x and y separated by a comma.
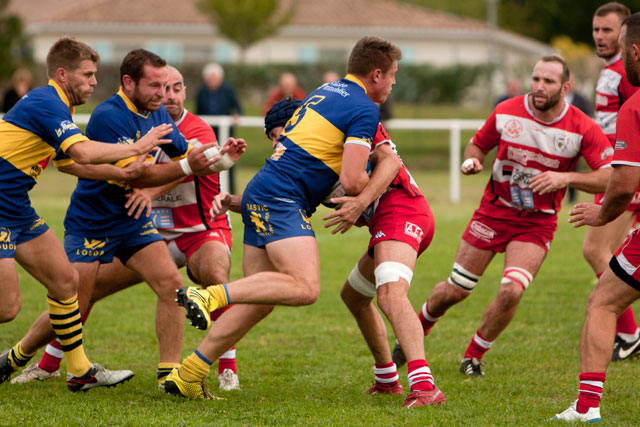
x,y
210,264
599,245
445,295
609,298
601,242
11,301
155,265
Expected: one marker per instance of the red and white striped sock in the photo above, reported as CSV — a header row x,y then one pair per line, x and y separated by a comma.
x,y
53,353
420,378
477,347
427,319
228,361
386,375
590,391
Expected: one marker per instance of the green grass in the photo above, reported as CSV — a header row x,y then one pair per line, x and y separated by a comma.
x,y
310,366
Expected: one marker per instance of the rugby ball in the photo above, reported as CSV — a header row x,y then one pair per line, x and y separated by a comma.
x,y
336,191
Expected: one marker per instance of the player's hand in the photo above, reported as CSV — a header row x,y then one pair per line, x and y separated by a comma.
x,y
153,138
134,169
586,214
220,204
346,215
234,147
137,202
198,161
548,181
471,166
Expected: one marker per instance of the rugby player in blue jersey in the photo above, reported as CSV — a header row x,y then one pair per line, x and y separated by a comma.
x,y
97,225
39,127
328,138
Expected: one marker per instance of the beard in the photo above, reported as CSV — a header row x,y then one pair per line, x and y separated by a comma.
x,y
632,75
551,102
145,103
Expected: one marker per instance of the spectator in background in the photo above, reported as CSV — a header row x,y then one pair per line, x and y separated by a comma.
x,y
20,85
514,88
287,87
218,98
330,76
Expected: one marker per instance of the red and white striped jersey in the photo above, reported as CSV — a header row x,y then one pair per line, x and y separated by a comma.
x,y
612,91
527,147
185,209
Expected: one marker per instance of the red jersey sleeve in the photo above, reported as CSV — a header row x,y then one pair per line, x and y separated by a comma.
x,y
596,148
626,90
488,136
627,149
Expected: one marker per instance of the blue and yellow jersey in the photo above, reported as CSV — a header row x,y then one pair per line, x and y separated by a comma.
x,y
97,207
308,158
31,133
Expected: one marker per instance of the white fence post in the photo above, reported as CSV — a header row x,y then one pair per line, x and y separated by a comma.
x,y
454,162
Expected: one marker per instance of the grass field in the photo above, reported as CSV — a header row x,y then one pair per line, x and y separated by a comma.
x,y
310,366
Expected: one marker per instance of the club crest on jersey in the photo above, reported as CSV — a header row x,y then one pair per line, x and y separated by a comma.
x,y
481,231
513,128
561,142
259,217
607,152
5,235
413,231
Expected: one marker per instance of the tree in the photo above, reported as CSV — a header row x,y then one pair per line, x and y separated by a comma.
x,y
12,42
247,21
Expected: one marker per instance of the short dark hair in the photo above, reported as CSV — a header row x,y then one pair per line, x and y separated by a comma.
x,y
633,30
619,9
372,52
566,73
133,64
68,53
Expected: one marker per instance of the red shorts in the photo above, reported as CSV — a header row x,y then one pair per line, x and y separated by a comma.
x,y
495,230
626,262
183,246
402,218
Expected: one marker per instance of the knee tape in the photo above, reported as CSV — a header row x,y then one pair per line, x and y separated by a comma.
x,y
360,284
463,278
389,271
517,275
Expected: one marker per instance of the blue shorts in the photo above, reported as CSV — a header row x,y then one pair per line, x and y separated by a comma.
x,y
11,237
82,248
269,219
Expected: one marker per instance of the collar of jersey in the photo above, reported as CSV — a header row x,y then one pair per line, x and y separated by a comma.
x,y
356,80
614,59
61,94
130,104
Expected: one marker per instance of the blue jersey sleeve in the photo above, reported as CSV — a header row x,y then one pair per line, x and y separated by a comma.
x,y
363,126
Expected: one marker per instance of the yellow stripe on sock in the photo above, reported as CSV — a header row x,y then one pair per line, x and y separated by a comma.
x,y
18,358
67,324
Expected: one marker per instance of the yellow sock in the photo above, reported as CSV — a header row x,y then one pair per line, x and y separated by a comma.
x,y
165,369
67,324
18,358
195,367
220,294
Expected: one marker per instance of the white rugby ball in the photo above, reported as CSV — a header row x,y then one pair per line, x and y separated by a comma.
x,y
336,191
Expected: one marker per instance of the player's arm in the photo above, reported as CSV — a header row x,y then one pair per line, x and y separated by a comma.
x,y
591,182
93,152
619,193
386,165
105,172
223,202
474,157
353,171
